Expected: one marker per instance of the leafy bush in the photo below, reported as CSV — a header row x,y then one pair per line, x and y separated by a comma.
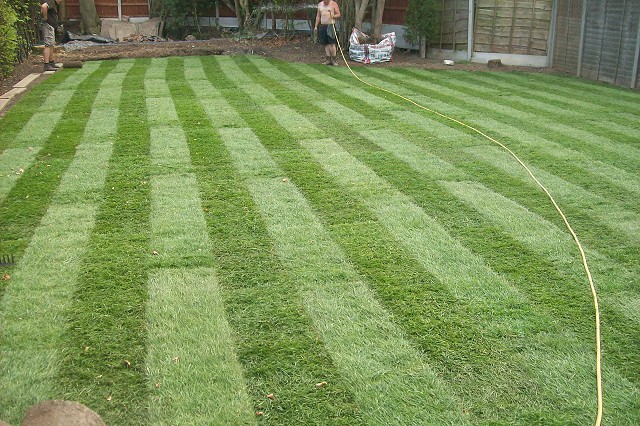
x,y
8,39
18,32
421,21
178,14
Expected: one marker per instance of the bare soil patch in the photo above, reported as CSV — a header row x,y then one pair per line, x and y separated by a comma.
x,y
292,48
61,413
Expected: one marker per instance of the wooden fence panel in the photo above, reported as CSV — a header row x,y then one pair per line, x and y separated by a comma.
x,y
610,40
567,40
73,9
395,12
621,39
109,8
512,26
134,8
454,25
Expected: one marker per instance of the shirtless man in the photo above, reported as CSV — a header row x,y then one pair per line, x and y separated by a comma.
x,y
328,12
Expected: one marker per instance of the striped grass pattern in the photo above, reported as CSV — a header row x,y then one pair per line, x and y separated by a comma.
x,y
239,240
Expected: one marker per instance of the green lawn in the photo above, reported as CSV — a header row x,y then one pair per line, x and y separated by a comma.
x,y
234,240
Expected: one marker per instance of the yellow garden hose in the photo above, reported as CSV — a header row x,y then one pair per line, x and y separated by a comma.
x,y
553,201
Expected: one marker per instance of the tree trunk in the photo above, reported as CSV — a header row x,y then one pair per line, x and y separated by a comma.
x,y
62,11
246,14
217,16
234,5
238,10
423,47
361,10
346,23
377,19
90,22
196,18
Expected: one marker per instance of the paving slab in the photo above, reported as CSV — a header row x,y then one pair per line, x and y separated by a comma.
x,y
13,92
3,103
25,82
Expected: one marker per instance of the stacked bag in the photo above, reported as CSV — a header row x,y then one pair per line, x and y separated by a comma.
x,y
361,50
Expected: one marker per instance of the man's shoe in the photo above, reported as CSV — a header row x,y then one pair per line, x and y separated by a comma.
x,y
49,67
53,64
328,61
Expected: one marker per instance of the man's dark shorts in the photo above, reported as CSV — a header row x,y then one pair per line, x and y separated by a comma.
x,y
323,35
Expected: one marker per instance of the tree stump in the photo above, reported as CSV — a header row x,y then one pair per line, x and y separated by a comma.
x,y
494,63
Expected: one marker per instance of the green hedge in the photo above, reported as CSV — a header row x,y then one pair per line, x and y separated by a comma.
x,y
18,32
8,39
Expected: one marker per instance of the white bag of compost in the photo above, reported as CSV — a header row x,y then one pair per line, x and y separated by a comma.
x,y
363,49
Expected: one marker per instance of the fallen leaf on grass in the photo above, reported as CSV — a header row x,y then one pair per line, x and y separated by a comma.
x,y
127,363
321,384
109,398
271,396
155,253
259,413
157,385
176,359
6,277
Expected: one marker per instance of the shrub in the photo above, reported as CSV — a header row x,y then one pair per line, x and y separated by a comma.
x,y
8,39
421,21
179,15
18,32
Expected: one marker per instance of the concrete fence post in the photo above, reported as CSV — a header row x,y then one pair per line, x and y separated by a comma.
x,y
551,41
634,74
583,26
470,30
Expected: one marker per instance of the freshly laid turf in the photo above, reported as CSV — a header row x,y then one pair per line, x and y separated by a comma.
x,y
239,240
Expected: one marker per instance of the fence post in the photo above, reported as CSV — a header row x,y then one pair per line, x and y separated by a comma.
x,y
551,42
634,74
470,30
582,35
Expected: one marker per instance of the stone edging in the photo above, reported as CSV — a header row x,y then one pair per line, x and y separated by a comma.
x,y
20,87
